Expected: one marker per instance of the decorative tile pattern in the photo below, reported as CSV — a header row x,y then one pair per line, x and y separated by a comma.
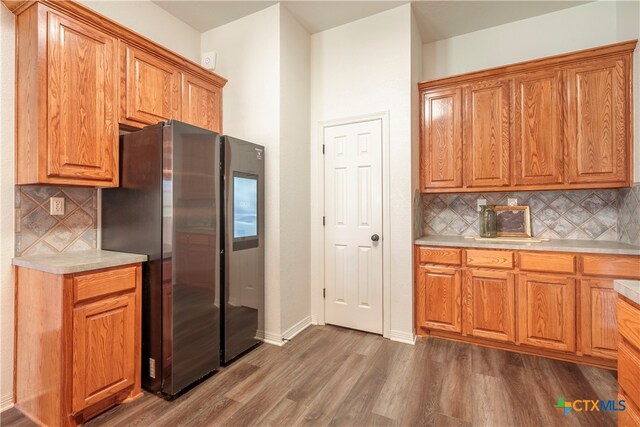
x,y
629,215
37,232
582,214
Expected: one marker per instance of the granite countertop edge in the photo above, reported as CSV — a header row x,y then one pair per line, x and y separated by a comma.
x,y
77,262
583,246
629,289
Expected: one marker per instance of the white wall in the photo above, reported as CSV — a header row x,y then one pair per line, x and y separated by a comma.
x,y
361,68
295,238
581,27
7,114
248,52
153,22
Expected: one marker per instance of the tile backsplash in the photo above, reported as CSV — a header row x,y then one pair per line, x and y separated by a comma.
x,y
37,232
575,214
629,215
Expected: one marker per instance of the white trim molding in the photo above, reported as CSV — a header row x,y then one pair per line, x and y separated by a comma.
x,y
6,402
297,328
281,339
401,336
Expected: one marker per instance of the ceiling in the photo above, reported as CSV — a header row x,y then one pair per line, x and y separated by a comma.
x,y
437,20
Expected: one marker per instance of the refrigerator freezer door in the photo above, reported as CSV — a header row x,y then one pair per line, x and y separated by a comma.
x,y
191,247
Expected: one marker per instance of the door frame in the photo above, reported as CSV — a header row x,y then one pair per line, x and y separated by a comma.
x,y
317,212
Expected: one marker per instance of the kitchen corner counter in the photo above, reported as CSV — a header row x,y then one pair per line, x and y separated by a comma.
x,y
77,262
629,289
585,246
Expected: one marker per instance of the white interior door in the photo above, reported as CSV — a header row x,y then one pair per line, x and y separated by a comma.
x,y
353,211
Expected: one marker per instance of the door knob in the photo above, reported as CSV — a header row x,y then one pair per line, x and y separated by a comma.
x,y
375,237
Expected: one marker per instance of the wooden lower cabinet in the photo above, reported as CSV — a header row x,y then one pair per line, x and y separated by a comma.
x,y
598,317
438,298
489,298
629,360
77,343
547,316
554,304
104,335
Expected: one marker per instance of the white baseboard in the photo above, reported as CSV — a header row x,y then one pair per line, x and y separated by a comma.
x,y
6,402
281,339
400,336
273,339
297,328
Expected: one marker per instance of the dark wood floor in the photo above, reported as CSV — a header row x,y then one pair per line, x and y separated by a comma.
x,y
333,376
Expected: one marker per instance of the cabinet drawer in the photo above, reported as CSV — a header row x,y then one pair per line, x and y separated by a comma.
x,y
629,370
629,322
611,266
552,263
104,283
448,256
488,258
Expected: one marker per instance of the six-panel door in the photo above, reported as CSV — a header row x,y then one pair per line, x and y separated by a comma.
x,y
441,146
547,311
439,298
489,305
82,117
487,133
597,138
598,314
538,128
104,340
149,88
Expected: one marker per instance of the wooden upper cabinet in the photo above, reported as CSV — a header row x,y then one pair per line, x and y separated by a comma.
x,y
67,131
489,304
201,103
598,137
547,316
487,133
598,313
538,128
441,146
563,122
439,298
149,88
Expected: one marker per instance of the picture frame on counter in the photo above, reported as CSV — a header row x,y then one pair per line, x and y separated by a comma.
x,y
513,221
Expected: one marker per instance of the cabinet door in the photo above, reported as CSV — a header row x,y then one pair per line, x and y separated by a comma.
x,y
149,88
441,145
103,349
487,135
546,306
598,136
538,128
201,103
598,318
489,305
82,88
438,299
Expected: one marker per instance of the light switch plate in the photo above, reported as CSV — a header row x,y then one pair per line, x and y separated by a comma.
x,y
512,202
481,202
56,206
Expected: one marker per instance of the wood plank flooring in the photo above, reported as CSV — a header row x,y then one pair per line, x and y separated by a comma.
x,y
329,376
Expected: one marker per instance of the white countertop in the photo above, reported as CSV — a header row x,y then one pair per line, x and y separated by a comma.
x,y
586,246
77,262
629,289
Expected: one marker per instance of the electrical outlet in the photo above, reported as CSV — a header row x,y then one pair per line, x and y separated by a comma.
x,y
512,202
56,206
481,202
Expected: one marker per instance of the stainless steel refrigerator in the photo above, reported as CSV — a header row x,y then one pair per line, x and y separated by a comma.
x,y
243,241
168,207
